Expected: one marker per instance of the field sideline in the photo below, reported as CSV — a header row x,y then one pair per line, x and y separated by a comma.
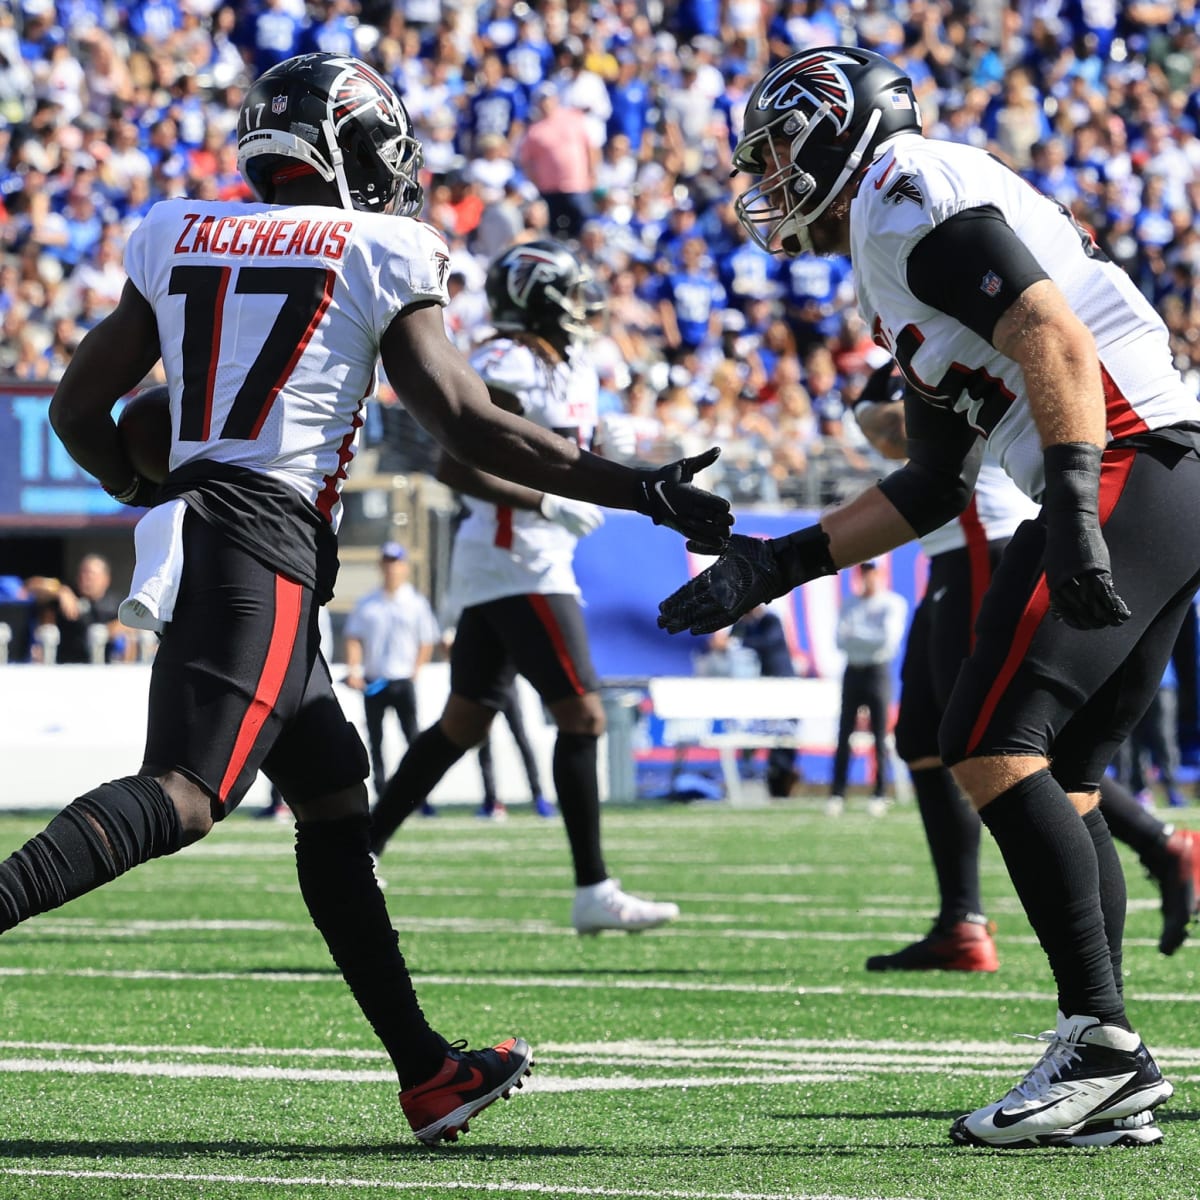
x,y
182,1032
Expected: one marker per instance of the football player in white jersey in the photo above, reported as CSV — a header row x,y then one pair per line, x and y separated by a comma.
x,y
1013,329
270,318
962,555
513,577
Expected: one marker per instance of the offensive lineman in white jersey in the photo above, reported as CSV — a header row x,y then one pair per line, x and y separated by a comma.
x,y
269,319
962,555
1011,327
512,575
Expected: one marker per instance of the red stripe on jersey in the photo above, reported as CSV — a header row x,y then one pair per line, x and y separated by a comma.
x,y
214,354
1114,473
1120,416
504,527
288,596
978,560
330,493
301,346
541,606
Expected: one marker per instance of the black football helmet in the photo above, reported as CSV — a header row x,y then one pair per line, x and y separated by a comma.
x,y
811,123
540,286
335,114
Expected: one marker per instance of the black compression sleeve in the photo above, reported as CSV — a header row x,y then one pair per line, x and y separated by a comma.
x,y
944,454
972,266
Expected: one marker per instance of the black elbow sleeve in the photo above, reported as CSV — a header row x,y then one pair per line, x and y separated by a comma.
x,y
924,498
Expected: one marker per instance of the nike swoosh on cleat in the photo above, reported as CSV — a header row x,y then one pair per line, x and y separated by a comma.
x,y
1003,1120
658,487
475,1080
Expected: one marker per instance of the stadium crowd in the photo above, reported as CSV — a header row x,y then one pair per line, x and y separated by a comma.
x,y
609,122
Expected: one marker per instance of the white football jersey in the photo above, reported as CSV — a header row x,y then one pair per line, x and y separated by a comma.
x,y
270,319
996,509
929,181
502,551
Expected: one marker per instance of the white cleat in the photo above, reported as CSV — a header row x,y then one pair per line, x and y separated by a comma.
x,y
1091,1080
605,906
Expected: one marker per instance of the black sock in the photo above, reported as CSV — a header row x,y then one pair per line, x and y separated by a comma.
x,y
1113,897
429,757
71,856
579,801
1134,825
952,829
338,884
1052,861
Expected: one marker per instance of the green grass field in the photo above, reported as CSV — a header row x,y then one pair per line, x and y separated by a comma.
x,y
182,1033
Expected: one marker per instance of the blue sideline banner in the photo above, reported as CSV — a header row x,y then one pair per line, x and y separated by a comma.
x,y
41,487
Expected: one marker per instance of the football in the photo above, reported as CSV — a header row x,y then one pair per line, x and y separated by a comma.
x,y
145,429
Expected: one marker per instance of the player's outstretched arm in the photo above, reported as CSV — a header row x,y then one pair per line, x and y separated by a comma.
x,y
111,361
438,386
752,571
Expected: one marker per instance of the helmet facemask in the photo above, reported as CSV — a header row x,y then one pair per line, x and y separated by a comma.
x,y
787,198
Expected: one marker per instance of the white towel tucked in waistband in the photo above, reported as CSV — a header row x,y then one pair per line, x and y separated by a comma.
x,y
158,543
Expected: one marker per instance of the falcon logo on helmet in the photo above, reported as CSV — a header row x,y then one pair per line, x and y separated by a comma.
x,y
527,269
360,88
540,287
816,77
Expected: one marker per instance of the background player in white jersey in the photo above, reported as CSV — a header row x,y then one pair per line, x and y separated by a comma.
x,y
269,319
1012,329
962,556
512,574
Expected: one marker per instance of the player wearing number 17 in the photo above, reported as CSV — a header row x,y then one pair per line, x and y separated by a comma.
x,y
1011,328
270,319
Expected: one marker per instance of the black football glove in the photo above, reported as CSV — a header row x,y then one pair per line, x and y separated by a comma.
x,y
749,573
140,492
1077,565
668,498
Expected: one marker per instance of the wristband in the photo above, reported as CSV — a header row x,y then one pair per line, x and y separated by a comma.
x,y
139,492
1072,471
803,555
127,493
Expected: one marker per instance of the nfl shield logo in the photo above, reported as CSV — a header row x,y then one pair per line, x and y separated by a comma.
x,y
991,284
278,104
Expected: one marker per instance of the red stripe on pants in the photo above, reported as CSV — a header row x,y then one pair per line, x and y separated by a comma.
x,y
288,597
1114,473
978,560
545,614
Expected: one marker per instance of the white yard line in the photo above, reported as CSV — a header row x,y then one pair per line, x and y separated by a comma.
x,y
578,984
427,1187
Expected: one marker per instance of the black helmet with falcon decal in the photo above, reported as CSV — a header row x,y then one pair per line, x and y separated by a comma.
x,y
540,286
332,114
811,123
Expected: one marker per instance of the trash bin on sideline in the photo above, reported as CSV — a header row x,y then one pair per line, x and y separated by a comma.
x,y
621,704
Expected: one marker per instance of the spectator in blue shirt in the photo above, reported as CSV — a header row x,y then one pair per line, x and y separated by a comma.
x,y
530,58
275,35
690,303
696,18
748,272
630,97
497,106
816,290
154,21
332,31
